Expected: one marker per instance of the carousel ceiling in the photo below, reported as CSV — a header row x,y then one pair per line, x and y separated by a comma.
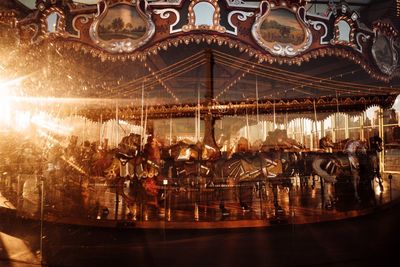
x,y
293,56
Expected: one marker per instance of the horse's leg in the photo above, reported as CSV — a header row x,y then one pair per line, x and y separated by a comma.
x,y
245,196
221,196
304,180
275,194
313,181
378,172
328,195
323,188
355,178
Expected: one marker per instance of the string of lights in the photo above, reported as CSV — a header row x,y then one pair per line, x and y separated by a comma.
x,y
322,85
280,78
162,83
157,75
153,82
297,75
230,85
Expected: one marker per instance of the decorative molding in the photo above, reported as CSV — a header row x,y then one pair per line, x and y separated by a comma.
x,y
192,18
30,32
336,40
83,19
165,14
384,53
297,107
278,47
259,56
123,45
361,37
166,3
8,17
60,29
317,25
241,16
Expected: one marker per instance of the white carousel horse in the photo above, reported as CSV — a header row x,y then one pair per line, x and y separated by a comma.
x,y
333,166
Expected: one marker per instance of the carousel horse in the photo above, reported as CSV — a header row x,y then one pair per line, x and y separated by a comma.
x,y
101,160
111,163
341,145
287,149
341,167
140,168
122,161
189,161
278,140
275,164
375,147
245,169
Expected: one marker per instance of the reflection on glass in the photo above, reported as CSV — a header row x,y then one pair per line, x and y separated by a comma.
x,y
204,14
52,21
77,159
344,31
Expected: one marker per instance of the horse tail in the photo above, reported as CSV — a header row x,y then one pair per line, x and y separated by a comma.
x,y
317,167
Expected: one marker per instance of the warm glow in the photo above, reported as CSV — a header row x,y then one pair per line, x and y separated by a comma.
x,y
48,123
22,120
13,112
7,89
5,111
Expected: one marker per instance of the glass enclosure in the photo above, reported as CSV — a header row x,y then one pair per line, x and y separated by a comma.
x,y
88,166
70,162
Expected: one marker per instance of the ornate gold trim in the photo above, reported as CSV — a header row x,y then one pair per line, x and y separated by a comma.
x,y
60,30
233,44
275,47
301,107
126,45
336,40
8,17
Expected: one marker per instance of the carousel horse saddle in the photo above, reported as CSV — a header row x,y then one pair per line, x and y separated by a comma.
x,y
342,159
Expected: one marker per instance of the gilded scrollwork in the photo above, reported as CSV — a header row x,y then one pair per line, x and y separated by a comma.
x,y
59,27
165,14
82,19
345,32
318,25
361,38
296,38
241,15
29,32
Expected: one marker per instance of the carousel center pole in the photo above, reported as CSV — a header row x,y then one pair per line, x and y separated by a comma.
x,y
209,120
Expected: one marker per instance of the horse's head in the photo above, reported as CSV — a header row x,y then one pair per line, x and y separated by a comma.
x,y
130,144
356,147
376,144
362,147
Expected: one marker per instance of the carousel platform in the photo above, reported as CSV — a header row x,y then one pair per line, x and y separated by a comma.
x,y
192,208
351,235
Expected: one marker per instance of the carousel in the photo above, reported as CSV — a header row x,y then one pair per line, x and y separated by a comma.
x,y
198,114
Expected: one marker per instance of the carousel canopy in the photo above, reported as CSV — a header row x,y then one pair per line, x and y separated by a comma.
x,y
99,58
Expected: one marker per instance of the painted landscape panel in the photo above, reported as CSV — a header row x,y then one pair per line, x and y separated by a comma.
x,y
122,22
382,51
282,26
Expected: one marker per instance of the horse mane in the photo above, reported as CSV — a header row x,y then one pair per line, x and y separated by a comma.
x,y
353,145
